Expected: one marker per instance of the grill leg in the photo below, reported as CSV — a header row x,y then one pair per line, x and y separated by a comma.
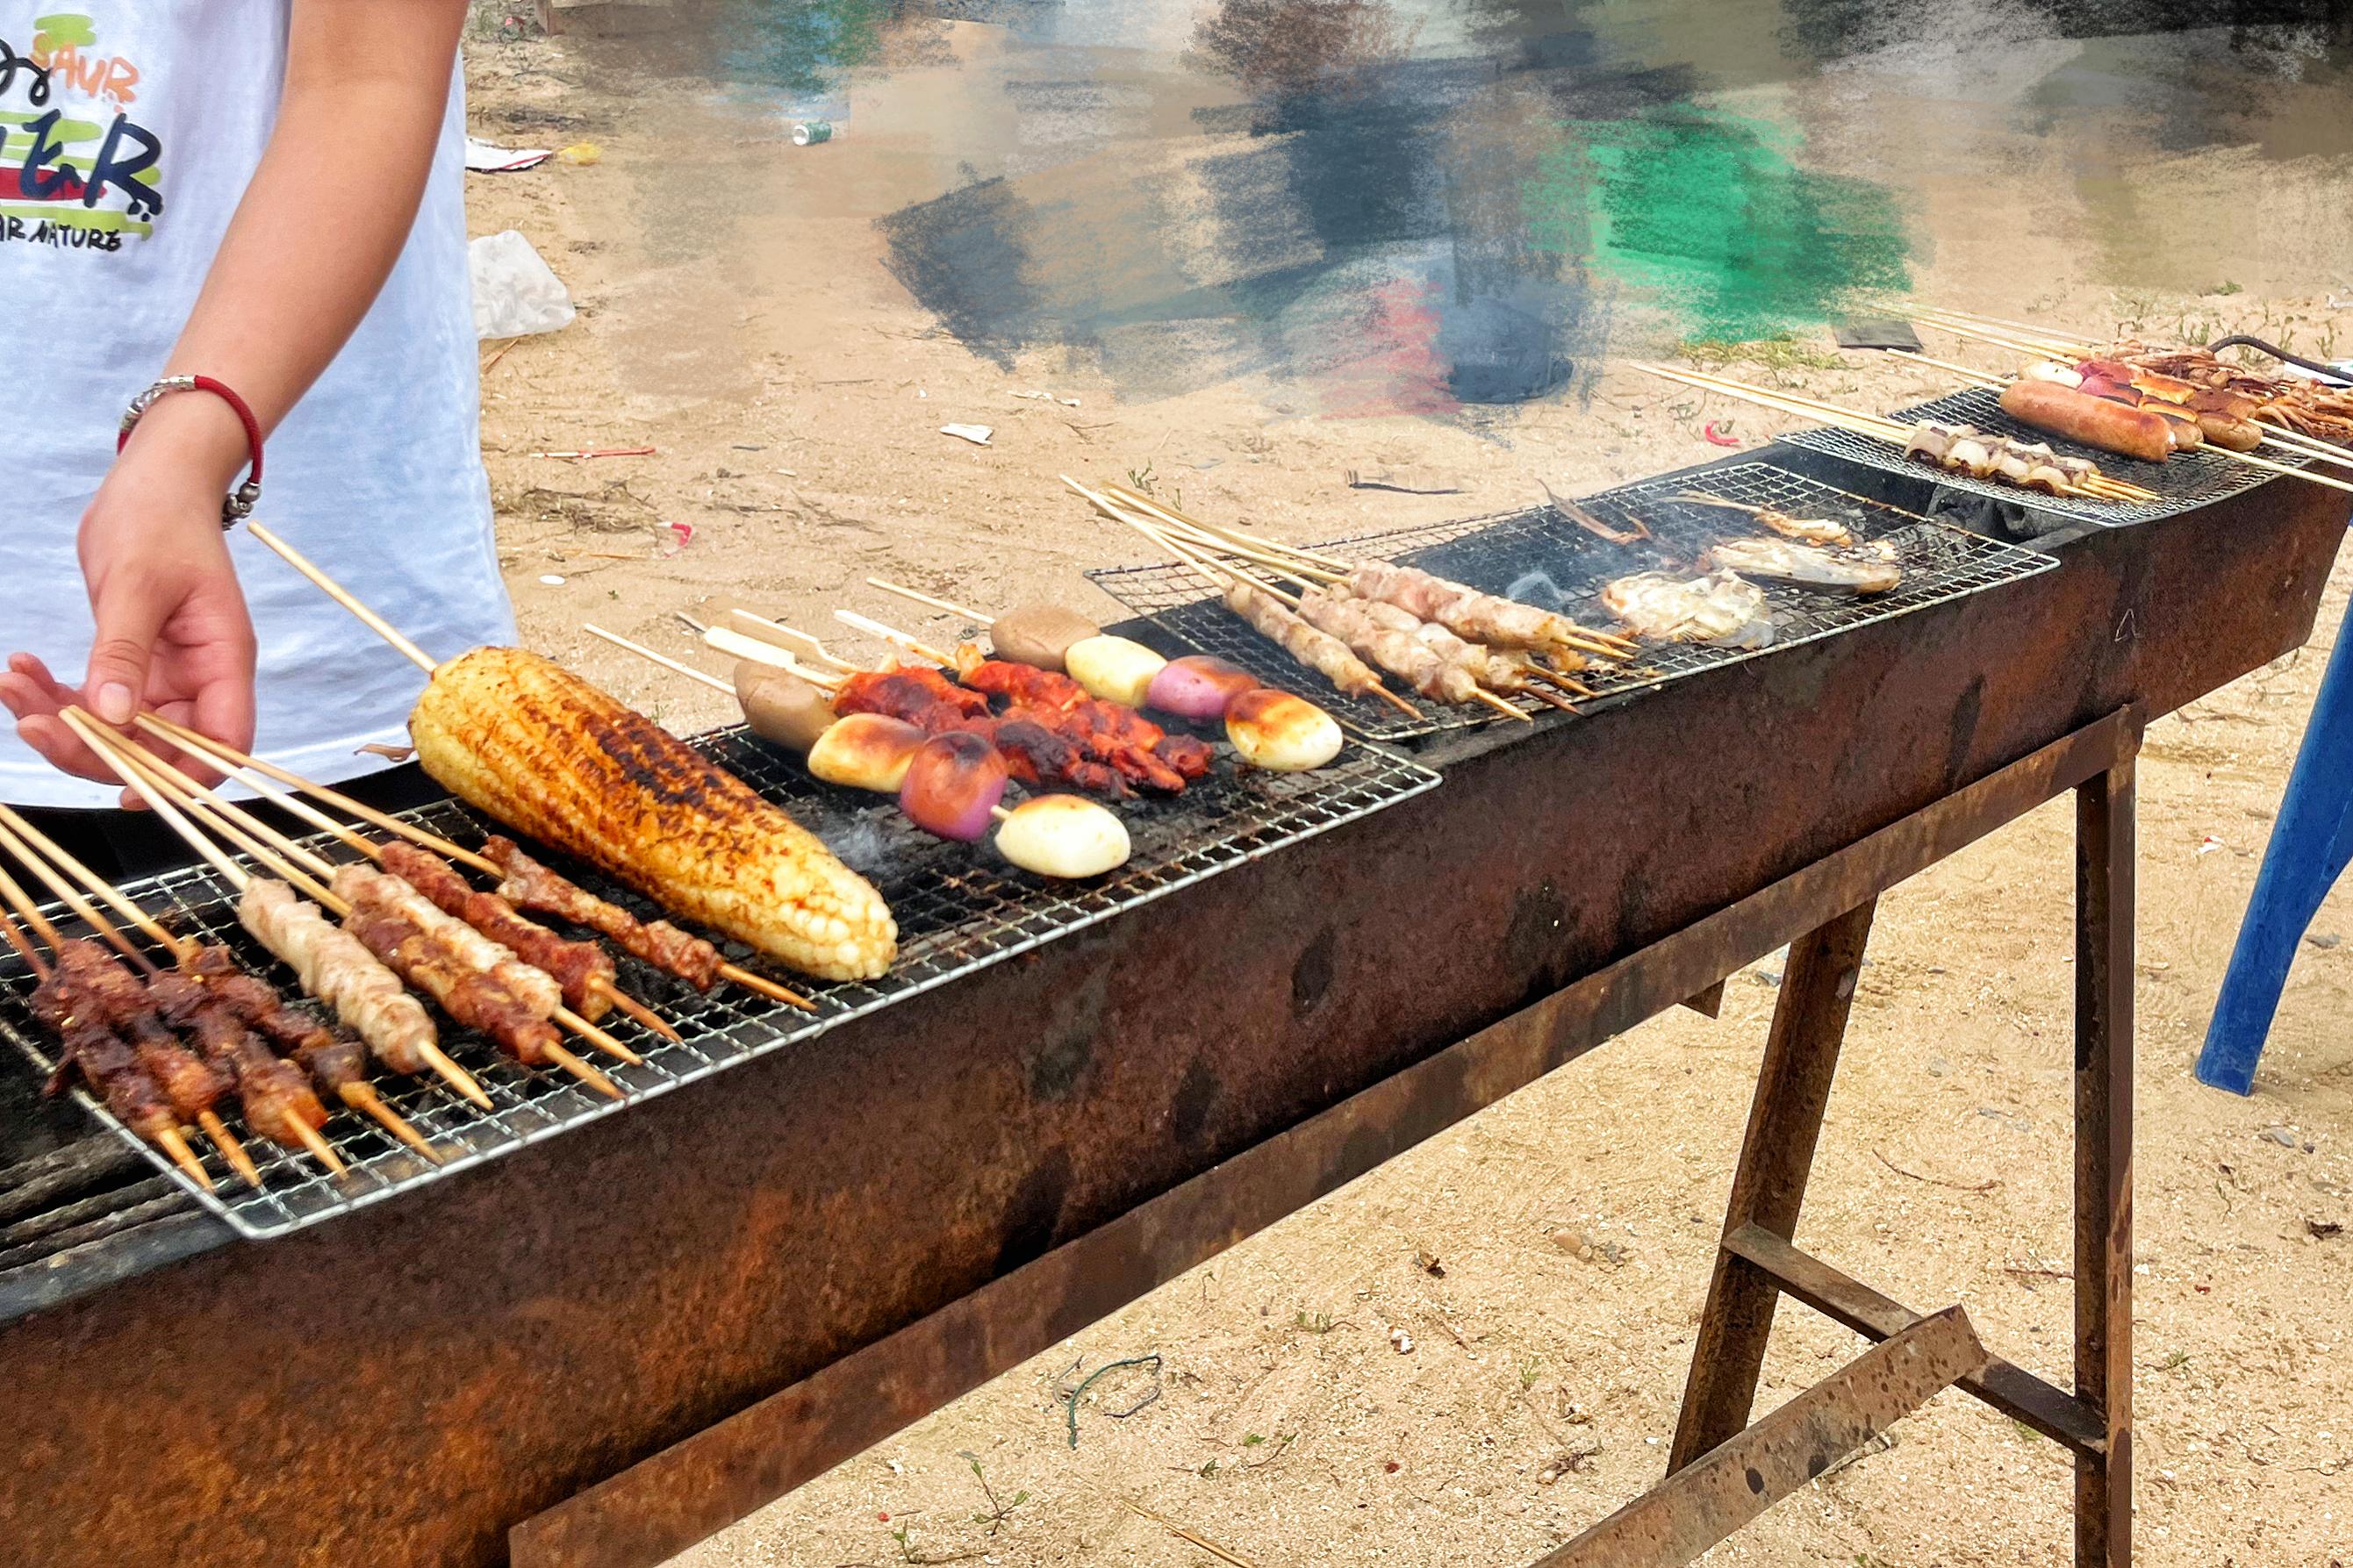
x,y
1793,1088
2103,1126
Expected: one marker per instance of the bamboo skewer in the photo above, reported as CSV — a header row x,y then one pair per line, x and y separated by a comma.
x,y
915,646
919,596
733,972
336,591
786,636
618,640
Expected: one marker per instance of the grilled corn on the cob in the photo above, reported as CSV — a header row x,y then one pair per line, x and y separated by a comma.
x,y
542,749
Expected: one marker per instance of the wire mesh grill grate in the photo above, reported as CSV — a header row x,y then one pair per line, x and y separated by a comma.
x,y
1544,557
959,910
2184,480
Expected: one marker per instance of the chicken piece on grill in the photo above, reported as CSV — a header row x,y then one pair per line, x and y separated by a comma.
x,y
102,1058
1025,685
902,693
470,996
334,1057
540,749
1040,756
581,968
532,886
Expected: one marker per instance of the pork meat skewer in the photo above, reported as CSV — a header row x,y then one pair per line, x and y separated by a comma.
x,y
104,1061
536,888
429,955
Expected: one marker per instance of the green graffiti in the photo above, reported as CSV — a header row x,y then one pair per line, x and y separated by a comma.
x,y
65,30
1704,214
803,48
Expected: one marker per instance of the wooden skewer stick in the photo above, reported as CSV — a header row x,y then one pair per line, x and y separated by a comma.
x,y
336,591
362,1098
1151,507
919,596
618,640
736,972
629,1005
104,890
786,636
896,638
264,845
2053,333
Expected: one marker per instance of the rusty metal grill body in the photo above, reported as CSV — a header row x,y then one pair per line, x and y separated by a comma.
x,y
965,1178
959,907
1543,557
2184,480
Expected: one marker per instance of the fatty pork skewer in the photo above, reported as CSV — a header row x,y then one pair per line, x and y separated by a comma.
x,y
334,1056
429,953
583,971
357,887
273,1094
105,1060
1476,616
529,885
1914,438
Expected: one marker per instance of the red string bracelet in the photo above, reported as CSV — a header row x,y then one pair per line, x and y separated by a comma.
x,y
240,502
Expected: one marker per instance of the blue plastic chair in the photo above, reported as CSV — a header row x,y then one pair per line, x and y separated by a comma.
x,y
2311,843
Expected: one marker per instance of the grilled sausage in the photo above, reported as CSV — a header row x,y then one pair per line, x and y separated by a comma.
x,y
2092,421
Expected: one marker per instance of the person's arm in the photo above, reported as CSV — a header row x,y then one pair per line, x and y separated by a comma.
x,y
313,240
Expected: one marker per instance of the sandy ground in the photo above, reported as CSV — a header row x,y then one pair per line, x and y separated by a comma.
x,y
1547,1258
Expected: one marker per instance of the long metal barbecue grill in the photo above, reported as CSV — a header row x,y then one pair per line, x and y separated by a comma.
x,y
1544,557
606,1345
2183,481
959,907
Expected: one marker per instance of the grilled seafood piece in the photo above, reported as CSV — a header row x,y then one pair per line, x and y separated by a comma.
x,y
1723,609
1779,561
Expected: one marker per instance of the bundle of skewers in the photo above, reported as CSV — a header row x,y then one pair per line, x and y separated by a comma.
x,y
1354,622
2114,398
1956,449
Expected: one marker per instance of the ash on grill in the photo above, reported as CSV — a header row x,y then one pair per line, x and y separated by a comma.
x,y
1544,557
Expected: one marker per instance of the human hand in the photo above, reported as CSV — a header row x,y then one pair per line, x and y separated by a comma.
x,y
172,630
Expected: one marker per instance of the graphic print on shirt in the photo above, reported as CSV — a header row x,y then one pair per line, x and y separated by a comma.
x,y
75,170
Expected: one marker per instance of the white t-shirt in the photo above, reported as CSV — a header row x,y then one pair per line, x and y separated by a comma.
x,y
128,134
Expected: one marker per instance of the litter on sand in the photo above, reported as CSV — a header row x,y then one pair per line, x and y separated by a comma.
x,y
490,158
977,434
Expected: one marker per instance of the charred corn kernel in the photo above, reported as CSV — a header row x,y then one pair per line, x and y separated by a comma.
x,y
547,753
